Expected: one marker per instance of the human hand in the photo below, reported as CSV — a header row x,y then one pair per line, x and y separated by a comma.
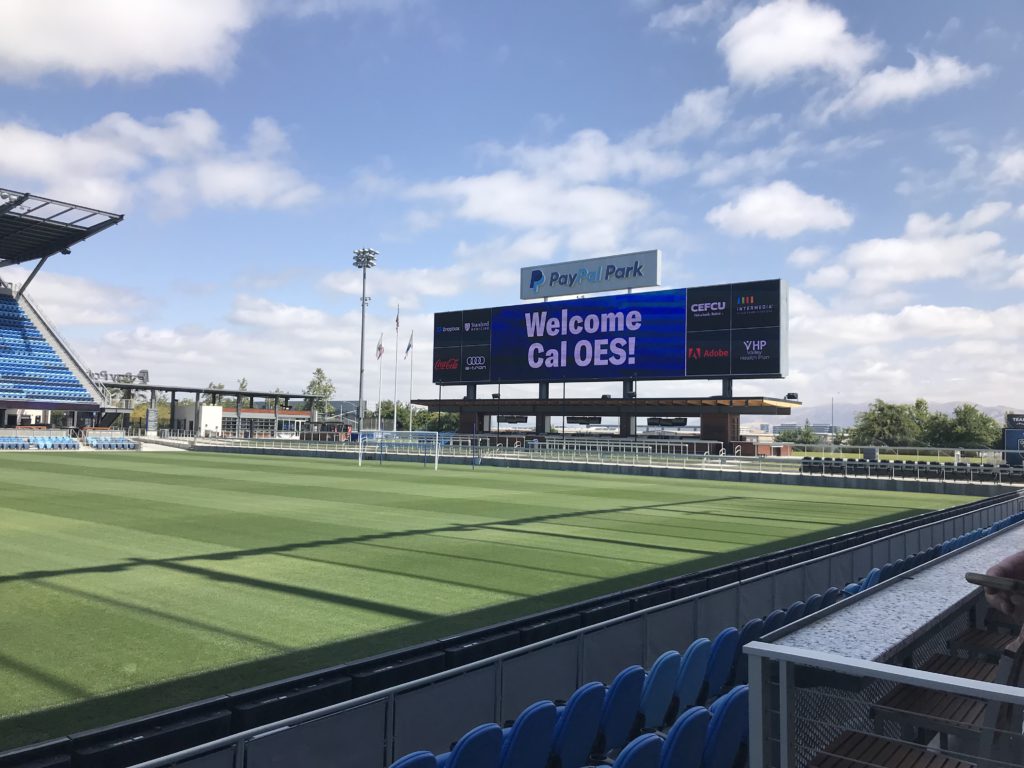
x,y
1010,603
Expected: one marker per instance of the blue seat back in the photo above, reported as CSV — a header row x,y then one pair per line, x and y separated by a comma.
x,y
692,670
685,739
829,598
873,577
720,662
642,752
527,744
795,611
419,759
621,705
773,621
577,726
751,631
727,732
479,748
659,687
813,604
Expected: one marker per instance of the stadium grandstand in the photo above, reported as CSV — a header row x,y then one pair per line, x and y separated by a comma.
x,y
41,375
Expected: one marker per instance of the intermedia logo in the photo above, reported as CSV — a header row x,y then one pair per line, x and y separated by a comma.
x,y
744,301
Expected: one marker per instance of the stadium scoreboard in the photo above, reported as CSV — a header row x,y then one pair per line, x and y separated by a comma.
x,y
735,330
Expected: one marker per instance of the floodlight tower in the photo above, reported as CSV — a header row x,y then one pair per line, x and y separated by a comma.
x,y
364,259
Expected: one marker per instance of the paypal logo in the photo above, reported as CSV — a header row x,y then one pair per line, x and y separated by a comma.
x,y
536,280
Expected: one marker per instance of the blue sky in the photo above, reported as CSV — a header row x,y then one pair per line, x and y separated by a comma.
x,y
870,153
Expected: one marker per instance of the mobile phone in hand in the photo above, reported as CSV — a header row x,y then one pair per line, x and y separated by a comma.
x,y
997,583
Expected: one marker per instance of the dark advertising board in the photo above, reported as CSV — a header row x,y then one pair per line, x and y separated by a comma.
x,y
1015,420
724,331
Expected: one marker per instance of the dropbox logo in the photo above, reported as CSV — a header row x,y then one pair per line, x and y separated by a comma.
x,y
536,280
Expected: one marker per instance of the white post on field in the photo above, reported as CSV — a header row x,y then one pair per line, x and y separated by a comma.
x,y
380,384
412,354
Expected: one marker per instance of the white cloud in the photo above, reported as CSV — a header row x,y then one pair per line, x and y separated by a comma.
x,y
1009,167
930,75
764,161
70,300
136,41
677,17
929,249
784,38
779,210
698,114
594,217
179,159
805,257
264,313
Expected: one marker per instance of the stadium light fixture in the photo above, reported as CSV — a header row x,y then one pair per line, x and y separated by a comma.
x,y
364,259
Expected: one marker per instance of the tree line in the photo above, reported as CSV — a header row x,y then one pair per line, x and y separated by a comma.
x,y
892,424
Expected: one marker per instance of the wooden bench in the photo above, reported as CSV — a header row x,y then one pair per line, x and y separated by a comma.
x,y
853,749
982,642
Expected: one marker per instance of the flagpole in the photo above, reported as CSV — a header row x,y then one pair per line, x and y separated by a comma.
x,y
394,421
380,383
412,355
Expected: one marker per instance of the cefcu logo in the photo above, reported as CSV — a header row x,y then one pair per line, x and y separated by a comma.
x,y
707,308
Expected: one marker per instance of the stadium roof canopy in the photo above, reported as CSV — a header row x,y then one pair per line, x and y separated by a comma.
x,y
33,227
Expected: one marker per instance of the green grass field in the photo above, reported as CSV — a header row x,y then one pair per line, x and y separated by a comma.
x,y
132,583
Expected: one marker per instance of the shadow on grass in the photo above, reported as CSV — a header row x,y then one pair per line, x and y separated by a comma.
x,y
91,713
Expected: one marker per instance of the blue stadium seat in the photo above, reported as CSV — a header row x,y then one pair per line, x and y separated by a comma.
x,y
479,748
621,707
751,631
851,589
832,594
685,739
577,726
692,670
873,577
659,688
527,744
795,612
813,604
773,621
727,732
419,759
643,752
720,663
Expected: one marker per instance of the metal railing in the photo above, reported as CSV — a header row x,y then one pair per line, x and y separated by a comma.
x,y
807,705
431,712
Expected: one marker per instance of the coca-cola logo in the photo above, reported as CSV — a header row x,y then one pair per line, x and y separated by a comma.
x,y
451,364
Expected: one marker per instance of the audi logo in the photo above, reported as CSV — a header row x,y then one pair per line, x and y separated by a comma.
x,y
476,360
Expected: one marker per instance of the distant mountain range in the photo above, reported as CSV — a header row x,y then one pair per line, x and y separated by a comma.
x,y
846,413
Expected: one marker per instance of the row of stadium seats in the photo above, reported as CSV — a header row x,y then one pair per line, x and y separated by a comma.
x,y
55,443
41,443
917,470
111,443
600,724
29,367
707,673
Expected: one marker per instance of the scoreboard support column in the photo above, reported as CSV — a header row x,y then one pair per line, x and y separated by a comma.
x,y
543,422
627,423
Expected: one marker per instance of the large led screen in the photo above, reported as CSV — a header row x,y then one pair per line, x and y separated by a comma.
x,y
725,331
